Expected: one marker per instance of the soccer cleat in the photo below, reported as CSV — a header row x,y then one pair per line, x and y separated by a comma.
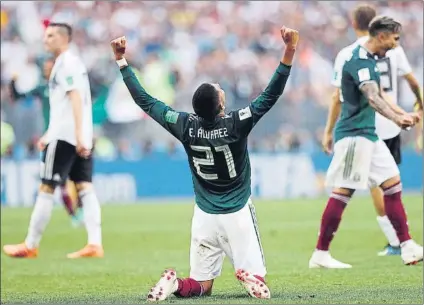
x,y
20,251
412,253
323,259
389,250
255,287
166,286
88,251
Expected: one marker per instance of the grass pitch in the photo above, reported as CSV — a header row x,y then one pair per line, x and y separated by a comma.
x,y
141,240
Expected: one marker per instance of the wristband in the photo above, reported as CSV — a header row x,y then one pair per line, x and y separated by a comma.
x,y
122,62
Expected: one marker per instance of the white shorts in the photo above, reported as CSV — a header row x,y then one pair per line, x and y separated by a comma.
x,y
215,235
359,163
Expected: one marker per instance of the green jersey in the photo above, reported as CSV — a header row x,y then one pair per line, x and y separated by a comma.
x,y
217,151
357,116
42,92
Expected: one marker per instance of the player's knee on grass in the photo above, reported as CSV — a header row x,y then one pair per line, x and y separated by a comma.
x,y
390,182
207,287
343,191
46,188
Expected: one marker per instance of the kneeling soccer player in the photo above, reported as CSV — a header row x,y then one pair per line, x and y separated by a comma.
x,y
224,220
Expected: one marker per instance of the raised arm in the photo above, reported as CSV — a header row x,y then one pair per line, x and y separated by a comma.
x,y
18,95
250,115
171,120
264,102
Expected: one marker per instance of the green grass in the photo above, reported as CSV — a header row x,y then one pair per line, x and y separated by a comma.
x,y
141,240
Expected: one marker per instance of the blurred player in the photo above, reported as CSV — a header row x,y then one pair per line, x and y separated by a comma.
x,y
224,221
68,190
66,147
360,157
392,65
418,107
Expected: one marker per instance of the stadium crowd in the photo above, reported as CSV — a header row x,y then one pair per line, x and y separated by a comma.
x,y
178,45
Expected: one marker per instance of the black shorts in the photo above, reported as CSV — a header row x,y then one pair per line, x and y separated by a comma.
x,y
394,146
60,161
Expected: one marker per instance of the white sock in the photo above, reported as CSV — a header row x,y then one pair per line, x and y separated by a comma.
x,y
40,217
92,216
388,230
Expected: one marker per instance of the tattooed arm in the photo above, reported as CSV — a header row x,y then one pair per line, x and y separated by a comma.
x,y
404,120
394,106
372,93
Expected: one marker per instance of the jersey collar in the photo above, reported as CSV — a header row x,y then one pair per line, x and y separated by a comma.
x,y
369,54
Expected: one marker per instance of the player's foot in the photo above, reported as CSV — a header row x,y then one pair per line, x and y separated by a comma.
x,y
389,250
77,219
323,259
20,251
255,287
166,286
412,253
88,251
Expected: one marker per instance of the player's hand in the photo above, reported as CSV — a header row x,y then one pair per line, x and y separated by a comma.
x,y
118,46
15,77
417,116
42,143
82,151
405,121
327,143
290,37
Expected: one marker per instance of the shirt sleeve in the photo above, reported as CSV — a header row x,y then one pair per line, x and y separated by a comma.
x,y
173,121
69,74
338,68
403,64
363,71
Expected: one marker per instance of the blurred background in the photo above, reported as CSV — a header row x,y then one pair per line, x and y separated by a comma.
x,y
176,46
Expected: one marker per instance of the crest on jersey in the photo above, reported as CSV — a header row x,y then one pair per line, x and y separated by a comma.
x,y
171,116
245,113
70,80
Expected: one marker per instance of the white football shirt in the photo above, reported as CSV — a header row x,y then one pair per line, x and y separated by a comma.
x,y
394,64
69,73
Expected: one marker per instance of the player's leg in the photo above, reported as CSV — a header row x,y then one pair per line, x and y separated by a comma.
x,y
70,193
384,172
82,173
348,171
56,162
66,199
206,258
242,244
393,246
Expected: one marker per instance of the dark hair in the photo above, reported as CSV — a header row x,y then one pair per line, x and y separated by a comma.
x,y
64,27
363,14
206,102
384,24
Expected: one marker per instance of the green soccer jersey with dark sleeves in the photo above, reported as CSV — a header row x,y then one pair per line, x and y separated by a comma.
x,y
217,151
42,92
357,117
